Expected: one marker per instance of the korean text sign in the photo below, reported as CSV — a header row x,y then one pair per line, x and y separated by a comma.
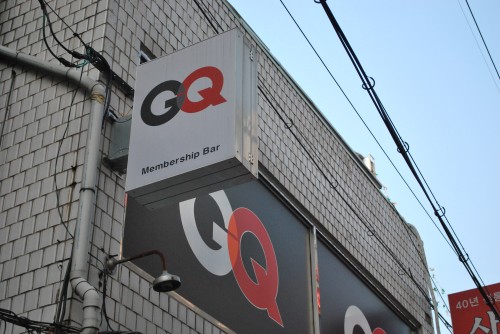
x,y
471,315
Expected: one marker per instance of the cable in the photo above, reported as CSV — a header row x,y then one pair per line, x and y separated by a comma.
x,y
61,305
364,123
32,325
478,46
46,19
204,12
376,140
43,6
337,187
91,56
482,38
403,149
61,19
59,153
436,287
7,105
104,312
321,171
96,59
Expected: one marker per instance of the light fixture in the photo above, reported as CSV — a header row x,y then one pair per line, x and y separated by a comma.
x,y
163,283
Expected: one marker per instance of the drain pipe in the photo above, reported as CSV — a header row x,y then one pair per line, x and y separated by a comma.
x,y
81,246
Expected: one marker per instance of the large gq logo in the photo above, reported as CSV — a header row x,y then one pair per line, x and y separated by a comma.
x,y
209,96
261,294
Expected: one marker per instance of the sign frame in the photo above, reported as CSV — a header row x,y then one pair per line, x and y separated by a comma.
x,y
198,108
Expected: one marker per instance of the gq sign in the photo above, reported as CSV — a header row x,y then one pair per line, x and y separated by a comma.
x,y
194,124
233,256
262,292
348,305
210,96
245,259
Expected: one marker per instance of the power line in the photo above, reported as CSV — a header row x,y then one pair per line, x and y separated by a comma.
x,y
403,149
335,185
479,47
482,38
210,19
33,325
46,19
90,56
380,146
6,115
365,124
371,231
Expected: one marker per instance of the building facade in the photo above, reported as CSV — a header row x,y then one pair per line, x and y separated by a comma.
x,y
63,202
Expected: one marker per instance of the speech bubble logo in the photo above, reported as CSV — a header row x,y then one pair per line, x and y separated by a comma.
x,y
354,317
261,294
211,96
171,105
215,261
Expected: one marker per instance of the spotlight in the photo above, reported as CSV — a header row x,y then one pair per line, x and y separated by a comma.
x,y
163,283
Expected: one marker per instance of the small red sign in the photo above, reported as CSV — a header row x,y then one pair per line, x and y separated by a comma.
x,y
470,314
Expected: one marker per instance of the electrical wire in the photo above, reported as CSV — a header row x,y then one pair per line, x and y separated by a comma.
x,y
7,105
104,273
58,154
436,289
104,312
403,149
61,304
91,56
204,11
103,283
482,38
46,19
336,186
380,146
32,325
364,123
479,47
43,5
61,19
288,126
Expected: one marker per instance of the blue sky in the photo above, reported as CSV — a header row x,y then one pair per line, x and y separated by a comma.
x,y
439,91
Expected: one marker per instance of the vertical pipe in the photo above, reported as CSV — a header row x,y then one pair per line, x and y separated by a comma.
x,y
80,256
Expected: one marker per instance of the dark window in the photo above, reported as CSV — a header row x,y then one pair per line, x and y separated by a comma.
x,y
145,54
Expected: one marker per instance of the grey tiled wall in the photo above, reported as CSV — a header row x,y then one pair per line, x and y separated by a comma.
x,y
34,243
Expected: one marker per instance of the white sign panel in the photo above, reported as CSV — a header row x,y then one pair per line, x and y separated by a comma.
x,y
194,121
